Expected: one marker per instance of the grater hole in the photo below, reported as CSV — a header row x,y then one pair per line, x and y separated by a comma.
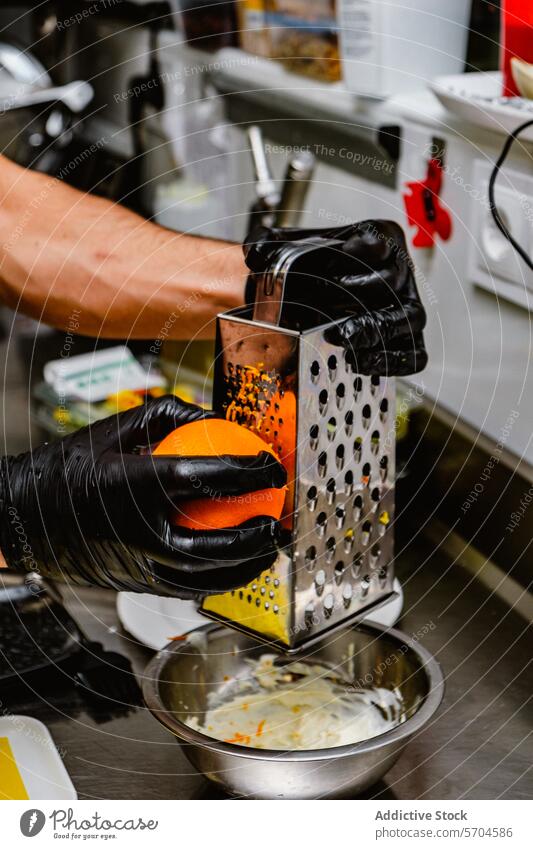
x,y
357,562
357,386
357,507
348,540
332,367
374,383
348,422
329,603
323,401
374,442
366,413
320,581
340,394
312,497
340,515
339,570
374,495
366,532
384,467
331,429
331,490
331,545
384,406
339,456
358,448
383,574
348,482
309,614
347,362
322,463
310,558
313,436
365,474
347,593
315,370
365,585
321,523
375,551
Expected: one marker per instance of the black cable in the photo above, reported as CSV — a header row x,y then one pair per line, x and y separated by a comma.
x,y
492,182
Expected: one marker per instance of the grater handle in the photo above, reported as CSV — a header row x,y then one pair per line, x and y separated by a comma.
x,y
270,291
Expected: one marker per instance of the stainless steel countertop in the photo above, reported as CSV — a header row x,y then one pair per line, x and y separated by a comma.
x,y
479,745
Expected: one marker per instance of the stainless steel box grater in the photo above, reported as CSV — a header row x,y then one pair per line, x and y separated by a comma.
x,y
334,431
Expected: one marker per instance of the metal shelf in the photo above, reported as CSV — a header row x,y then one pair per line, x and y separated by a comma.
x,y
354,134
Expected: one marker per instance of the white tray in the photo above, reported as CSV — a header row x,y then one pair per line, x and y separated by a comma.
x,y
35,761
478,99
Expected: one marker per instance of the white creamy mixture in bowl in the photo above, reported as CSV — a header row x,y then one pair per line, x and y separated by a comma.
x,y
288,706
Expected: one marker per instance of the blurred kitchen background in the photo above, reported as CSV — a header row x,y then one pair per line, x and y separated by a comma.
x,y
404,119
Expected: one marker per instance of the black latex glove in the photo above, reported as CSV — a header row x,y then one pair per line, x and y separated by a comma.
x,y
366,282
90,508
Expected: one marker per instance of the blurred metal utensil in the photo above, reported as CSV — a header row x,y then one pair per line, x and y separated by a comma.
x,y
268,197
265,185
75,96
271,208
298,177
22,66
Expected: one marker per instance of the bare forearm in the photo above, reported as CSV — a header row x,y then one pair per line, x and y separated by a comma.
x,y
61,250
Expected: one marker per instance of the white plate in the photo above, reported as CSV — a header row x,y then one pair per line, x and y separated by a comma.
x,y
153,619
478,98
36,759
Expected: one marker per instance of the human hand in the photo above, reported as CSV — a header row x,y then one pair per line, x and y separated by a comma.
x,y
365,282
94,508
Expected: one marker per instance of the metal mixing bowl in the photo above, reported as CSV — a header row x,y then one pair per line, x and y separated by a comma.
x,y
179,680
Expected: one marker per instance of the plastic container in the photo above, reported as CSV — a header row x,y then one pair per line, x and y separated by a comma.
x,y
516,40
303,36
396,47
253,30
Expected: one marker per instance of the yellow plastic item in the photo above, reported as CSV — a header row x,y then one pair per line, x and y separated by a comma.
x,y
11,783
124,400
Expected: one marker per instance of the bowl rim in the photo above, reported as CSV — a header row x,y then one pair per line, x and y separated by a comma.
x,y
401,732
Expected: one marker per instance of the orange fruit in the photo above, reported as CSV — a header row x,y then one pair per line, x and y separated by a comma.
x,y
279,425
217,437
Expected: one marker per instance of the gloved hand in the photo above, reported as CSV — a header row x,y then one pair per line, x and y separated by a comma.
x,y
92,509
366,282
